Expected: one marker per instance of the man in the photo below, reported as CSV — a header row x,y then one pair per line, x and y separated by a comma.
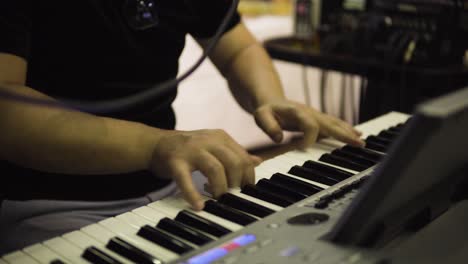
x,y
79,167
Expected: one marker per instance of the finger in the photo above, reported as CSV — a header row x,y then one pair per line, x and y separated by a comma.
x,y
213,169
249,175
182,175
309,126
256,160
265,119
233,165
344,136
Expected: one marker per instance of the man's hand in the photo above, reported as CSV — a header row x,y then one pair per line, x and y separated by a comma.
x,y
213,152
276,116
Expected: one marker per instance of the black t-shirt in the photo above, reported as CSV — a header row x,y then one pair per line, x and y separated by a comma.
x,y
87,50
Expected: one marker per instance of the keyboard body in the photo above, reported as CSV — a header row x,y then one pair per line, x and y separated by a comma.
x,y
292,234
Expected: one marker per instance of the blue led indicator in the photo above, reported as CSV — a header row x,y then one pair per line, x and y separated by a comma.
x,y
244,239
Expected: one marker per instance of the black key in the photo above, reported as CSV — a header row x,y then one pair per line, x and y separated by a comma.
x,y
228,213
183,231
388,134
164,240
281,190
312,175
369,154
266,195
342,162
131,252
375,146
200,223
301,186
57,261
379,140
97,256
355,158
329,170
395,130
247,206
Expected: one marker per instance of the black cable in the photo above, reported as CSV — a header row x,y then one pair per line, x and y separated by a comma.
x,y
126,102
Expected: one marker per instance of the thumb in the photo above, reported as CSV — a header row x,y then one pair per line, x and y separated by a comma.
x,y
265,119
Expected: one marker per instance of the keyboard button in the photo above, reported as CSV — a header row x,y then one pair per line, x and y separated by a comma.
x,y
343,162
65,249
369,154
312,175
329,170
379,140
281,190
266,195
228,213
183,231
301,186
245,205
355,158
200,223
41,253
164,240
18,257
375,146
96,256
131,252
389,134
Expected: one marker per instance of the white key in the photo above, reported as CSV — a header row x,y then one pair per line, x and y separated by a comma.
x,y
173,205
135,220
84,241
65,249
149,213
41,253
238,193
3,261
117,226
19,257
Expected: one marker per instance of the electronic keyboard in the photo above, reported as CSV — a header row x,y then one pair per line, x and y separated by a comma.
x,y
283,218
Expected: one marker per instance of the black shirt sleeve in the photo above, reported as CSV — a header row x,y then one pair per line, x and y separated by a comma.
x,y
211,14
15,27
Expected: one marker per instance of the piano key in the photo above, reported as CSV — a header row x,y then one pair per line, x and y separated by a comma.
x,y
379,140
98,232
344,162
137,221
266,195
331,171
294,156
299,185
228,213
57,261
173,205
281,190
247,206
164,240
121,228
41,253
3,261
375,146
131,252
311,175
97,256
84,241
237,192
200,223
183,231
369,154
19,257
395,129
389,134
68,251
354,158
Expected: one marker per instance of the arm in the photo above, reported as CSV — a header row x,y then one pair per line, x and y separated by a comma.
x,y
255,84
64,141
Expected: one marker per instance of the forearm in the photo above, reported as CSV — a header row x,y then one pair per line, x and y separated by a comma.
x,y
64,141
253,79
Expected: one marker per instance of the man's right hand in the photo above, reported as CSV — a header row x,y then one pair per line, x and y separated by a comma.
x,y
213,152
